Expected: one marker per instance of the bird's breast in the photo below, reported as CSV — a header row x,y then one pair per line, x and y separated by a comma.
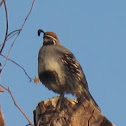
x,y
49,60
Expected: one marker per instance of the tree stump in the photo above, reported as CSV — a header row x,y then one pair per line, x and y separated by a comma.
x,y
70,113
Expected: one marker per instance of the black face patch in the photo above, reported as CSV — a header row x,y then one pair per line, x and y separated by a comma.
x,y
48,43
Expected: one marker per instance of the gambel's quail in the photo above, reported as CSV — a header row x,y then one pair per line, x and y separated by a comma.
x,y
59,70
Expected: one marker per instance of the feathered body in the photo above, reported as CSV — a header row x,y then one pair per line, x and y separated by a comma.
x,y
60,71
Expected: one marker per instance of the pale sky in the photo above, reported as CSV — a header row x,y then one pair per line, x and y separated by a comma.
x,y
95,31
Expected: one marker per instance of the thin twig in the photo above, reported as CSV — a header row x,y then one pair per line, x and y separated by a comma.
x,y
6,33
9,53
15,33
7,89
28,14
18,65
18,30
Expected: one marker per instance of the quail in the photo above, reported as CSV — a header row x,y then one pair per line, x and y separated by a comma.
x,y
60,71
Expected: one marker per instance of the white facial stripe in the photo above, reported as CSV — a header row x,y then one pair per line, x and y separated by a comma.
x,y
52,37
54,42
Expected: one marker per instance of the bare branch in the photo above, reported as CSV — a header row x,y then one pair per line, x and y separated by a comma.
x,y
28,14
9,52
18,65
7,89
11,34
16,35
6,33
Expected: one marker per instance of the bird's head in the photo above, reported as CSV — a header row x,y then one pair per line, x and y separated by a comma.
x,y
49,38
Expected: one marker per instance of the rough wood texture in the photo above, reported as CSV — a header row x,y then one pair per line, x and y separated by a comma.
x,y
69,114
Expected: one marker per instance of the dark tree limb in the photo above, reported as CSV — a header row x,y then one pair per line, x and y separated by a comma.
x,y
70,114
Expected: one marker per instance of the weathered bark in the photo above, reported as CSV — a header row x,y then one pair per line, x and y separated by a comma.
x,y
70,114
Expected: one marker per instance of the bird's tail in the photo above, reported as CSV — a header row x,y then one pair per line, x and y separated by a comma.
x,y
88,96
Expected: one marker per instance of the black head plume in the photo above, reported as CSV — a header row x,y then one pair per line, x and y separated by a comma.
x,y
39,32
